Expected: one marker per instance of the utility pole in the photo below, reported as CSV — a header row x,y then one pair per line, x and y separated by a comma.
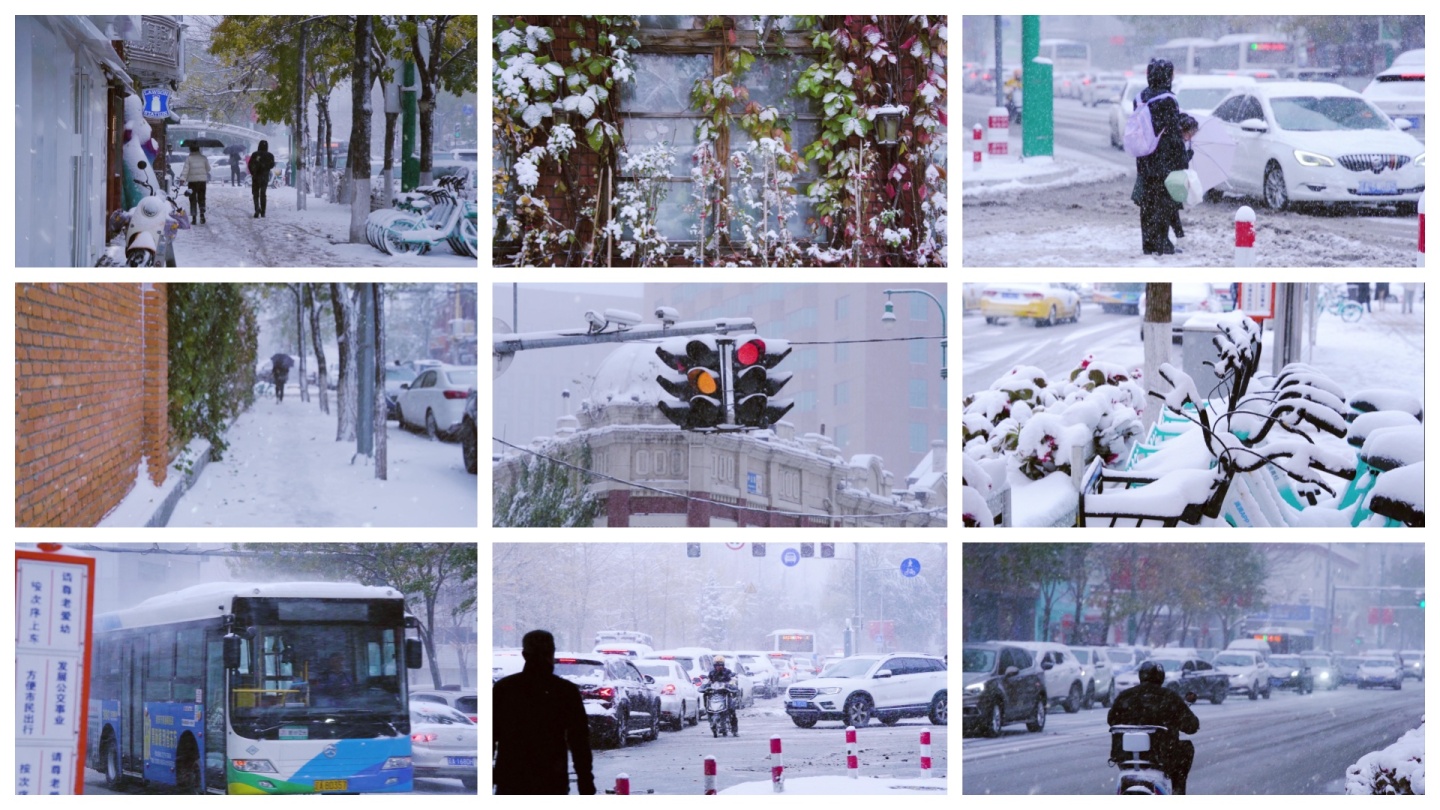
x,y
409,124
999,76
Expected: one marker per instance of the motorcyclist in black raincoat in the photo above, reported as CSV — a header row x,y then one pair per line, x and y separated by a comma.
x,y
1149,703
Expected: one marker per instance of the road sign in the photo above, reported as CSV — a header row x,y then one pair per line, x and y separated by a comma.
x,y
157,102
910,567
790,557
734,546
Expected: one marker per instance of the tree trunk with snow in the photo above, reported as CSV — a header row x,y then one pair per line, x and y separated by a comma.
x,y
359,157
345,395
321,378
1155,333
380,421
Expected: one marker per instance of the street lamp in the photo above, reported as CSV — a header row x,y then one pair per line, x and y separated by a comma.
x,y
887,124
888,319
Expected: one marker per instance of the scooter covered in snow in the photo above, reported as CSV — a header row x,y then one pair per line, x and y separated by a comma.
x,y
720,702
149,228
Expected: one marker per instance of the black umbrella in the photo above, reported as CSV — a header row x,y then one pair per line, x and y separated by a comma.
x,y
235,150
202,142
281,361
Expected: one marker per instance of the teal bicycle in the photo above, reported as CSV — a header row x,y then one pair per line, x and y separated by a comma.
x,y
1333,301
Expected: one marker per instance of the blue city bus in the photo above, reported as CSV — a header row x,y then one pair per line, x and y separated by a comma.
x,y
287,687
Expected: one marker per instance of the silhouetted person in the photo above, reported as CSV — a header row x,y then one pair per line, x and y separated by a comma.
x,y
1149,703
280,374
260,163
539,717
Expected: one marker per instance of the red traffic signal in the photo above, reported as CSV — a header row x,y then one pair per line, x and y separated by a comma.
x,y
756,386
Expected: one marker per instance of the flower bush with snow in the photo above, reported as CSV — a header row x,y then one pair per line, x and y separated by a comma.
x,y
1398,769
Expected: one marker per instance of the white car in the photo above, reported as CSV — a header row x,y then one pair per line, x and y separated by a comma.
x,y
679,699
435,400
465,701
1399,90
625,649
1104,88
1064,682
1120,113
444,743
767,677
1200,95
1304,142
695,661
891,687
1099,675
1376,670
1247,670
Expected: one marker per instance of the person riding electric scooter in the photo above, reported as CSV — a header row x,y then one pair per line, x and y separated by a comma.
x,y
720,675
1149,703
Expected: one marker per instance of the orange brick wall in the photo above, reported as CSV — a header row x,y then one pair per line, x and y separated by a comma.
x,y
90,397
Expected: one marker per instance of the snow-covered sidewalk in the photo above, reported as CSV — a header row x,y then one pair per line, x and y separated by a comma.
x,y
315,237
284,468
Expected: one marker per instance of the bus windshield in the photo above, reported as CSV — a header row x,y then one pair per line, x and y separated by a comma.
x,y
318,669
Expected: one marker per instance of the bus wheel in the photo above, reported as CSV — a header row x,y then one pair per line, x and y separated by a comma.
x,y
110,756
187,767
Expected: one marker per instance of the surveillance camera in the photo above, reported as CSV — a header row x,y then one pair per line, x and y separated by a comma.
x,y
622,317
667,315
596,322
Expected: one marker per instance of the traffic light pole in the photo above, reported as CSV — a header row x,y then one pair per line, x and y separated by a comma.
x,y
511,343
727,377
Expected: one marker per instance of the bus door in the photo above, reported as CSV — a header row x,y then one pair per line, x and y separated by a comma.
x,y
132,697
217,702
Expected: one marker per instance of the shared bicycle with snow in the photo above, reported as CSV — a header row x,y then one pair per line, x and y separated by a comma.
x,y
426,217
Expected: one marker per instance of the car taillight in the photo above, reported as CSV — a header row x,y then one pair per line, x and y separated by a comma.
x,y
475,718
668,690
603,693
423,737
455,393
1034,296
988,294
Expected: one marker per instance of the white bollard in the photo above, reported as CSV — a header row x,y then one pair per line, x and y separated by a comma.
x,y
999,126
852,758
1420,256
1245,237
777,766
924,755
979,146
622,784
710,776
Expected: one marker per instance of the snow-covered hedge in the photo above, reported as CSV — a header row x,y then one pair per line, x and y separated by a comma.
x,y
1396,770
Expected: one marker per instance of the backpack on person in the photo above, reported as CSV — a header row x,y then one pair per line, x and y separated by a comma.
x,y
1141,139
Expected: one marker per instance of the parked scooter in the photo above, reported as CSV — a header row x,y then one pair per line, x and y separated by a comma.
x,y
150,228
720,702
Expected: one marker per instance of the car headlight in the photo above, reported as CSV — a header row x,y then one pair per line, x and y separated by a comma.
x,y
1420,161
975,689
1295,673
1312,159
253,765
396,762
828,690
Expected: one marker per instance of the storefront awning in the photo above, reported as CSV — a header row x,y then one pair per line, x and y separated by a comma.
x,y
88,41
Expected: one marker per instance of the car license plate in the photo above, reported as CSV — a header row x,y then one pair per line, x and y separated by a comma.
x,y
1377,187
466,761
799,704
332,784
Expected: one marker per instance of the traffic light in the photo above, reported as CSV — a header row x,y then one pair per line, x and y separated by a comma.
x,y
757,549
807,549
698,386
827,550
692,549
1420,599
756,385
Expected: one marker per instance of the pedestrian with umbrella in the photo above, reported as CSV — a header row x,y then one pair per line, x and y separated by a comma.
x,y
236,151
280,373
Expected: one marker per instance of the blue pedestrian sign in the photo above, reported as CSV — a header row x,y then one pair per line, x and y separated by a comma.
x,y
157,103
910,567
790,557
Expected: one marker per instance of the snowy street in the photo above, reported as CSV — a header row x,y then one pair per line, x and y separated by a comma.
x,y
315,237
1290,744
1072,222
284,468
674,763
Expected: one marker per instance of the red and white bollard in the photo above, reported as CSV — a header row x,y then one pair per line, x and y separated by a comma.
x,y
999,126
622,784
979,145
777,766
924,755
852,751
710,776
1245,237
1419,257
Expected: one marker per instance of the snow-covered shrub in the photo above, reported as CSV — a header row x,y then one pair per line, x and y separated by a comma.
x,y
637,204
1398,769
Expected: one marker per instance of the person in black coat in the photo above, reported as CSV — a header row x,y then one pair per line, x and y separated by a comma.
x,y
1157,209
1149,703
260,164
538,717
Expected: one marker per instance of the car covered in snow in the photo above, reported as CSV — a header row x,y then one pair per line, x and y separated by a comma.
x,y
1044,304
767,677
889,687
396,377
505,662
1199,95
444,743
1184,675
695,661
1098,674
1064,680
626,649
1399,90
1291,672
1376,670
619,702
1314,142
464,701
1247,670
1349,668
1003,684
679,699
435,400
1105,88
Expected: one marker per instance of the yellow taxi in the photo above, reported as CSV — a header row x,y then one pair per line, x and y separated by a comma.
x,y
1045,304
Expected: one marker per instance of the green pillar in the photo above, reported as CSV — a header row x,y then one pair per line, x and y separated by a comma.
x,y
1038,109
409,129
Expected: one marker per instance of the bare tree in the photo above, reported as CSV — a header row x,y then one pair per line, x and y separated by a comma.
x,y
321,377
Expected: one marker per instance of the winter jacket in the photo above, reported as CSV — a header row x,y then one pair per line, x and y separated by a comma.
x,y
197,168
1169,155
260,164
538,718
1148,704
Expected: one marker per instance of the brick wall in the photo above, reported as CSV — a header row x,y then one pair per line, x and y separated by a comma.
x,y
90,398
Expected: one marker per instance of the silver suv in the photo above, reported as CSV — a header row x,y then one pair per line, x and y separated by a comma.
x,y
889,687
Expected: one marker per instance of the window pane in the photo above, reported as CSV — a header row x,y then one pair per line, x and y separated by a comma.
x,y
663,82
770,80
919,395
919,351
672,21
676,133
919,438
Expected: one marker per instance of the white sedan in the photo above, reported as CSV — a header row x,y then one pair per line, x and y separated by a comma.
x,y
1399,90
679,699
435,399
443,743
1316,142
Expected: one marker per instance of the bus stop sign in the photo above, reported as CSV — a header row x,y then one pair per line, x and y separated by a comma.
x,y
790,557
